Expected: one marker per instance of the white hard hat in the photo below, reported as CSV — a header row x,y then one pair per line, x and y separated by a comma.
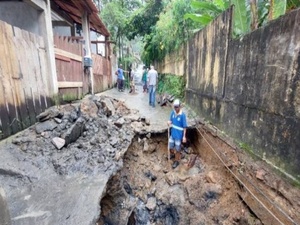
x,y
176,102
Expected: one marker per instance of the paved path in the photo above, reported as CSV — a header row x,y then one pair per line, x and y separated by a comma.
x,y
140,101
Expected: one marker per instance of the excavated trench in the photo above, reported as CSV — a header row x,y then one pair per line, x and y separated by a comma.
x,y
199,191
215,183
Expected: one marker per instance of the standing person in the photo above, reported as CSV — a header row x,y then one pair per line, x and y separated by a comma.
x,y
178,131
152,81
132,84
121,78
144,80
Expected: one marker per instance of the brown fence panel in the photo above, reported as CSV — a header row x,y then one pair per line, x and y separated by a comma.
x,y
69,68
24,91
102,74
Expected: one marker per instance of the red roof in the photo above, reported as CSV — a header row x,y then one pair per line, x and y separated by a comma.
x,y
75,8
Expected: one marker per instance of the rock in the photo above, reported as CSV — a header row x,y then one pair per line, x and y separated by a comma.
x,y
74,132
48,125
212,177
194,171
49,114
132,117
260,174
171,178
151,203
57,120
193,187
119,123
147,122
138,127
108,107
88,108
59,143
146,146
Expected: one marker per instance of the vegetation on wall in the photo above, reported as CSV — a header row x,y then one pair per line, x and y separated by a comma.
x,y
171,84
248,14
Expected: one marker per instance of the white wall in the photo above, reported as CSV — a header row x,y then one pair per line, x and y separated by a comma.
x,y
21,15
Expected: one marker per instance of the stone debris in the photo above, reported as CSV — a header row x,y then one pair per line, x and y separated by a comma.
x,y
260,174
59,143
151,203
94,135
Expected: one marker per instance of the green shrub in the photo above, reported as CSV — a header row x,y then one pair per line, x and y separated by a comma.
x,y
171,84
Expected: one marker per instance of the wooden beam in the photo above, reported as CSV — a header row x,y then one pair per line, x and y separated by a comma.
x,y
63,58
69,84
102,42
68,54
75,37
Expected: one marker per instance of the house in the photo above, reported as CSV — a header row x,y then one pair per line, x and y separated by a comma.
x,y
48,54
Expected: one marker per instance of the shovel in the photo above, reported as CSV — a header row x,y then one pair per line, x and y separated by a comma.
x,y
168,144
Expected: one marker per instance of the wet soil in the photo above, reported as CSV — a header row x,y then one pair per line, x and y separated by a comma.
x,y
148,191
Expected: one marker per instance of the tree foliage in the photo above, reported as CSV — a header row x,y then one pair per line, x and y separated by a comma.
x,y
143,20
114,14
165,24
248,14
170,32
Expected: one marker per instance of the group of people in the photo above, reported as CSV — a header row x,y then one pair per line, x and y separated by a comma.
x,y
177,123
121,79
149,80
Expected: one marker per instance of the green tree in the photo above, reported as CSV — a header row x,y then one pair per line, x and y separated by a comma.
x,y
114,14
143,20
248,14
170,32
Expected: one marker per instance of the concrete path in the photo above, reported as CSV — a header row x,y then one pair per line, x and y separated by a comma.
x,y
158,116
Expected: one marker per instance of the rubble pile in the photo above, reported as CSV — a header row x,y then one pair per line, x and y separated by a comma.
x,y
57,170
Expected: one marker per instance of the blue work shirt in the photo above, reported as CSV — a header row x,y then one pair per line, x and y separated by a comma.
x,y
120,74
178,124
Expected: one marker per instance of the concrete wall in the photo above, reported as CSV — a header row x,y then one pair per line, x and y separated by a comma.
x,y
250,87
173,63
20,14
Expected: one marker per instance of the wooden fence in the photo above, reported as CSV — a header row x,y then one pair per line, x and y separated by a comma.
x,y
72,81
25,81
102,73
69,68
24,88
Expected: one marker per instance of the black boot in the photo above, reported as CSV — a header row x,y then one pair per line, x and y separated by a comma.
x,y
175,164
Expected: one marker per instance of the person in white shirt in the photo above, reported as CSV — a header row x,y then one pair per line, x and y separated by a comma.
x,y
152,82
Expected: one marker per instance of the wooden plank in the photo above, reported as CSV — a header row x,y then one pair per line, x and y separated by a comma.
x,y
261,205
45,78
19,92
5,129
66,84
259,210
68,54
11,71
4,119
30,107
63,58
